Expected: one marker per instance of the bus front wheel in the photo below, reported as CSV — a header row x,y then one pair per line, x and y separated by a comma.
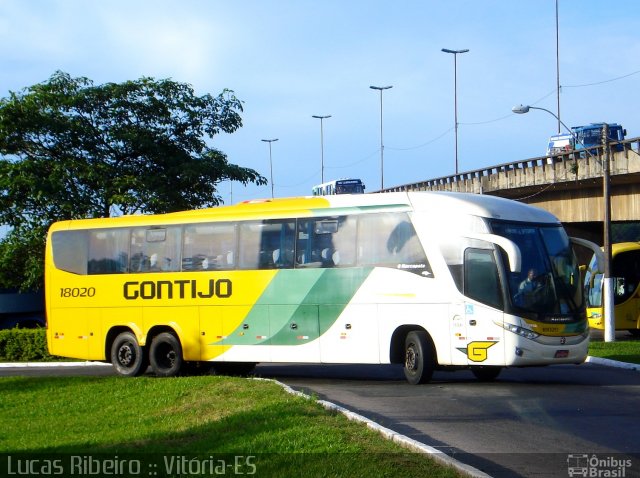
x,y
418,358
127,357
165,355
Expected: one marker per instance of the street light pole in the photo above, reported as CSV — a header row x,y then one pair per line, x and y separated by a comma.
x,y
607,286
558,66
455,94
321,145
381,89
270,161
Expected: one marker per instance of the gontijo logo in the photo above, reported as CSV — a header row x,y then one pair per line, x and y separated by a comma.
x,y
179,289
477,351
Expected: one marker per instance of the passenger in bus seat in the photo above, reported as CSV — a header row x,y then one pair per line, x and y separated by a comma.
x,y
327,259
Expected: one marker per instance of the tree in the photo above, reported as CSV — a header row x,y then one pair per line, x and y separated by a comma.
x,y
70,149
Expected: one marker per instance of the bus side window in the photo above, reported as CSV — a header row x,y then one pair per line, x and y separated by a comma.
x,y
390,240
155,249
209,247
108,251
267,244
481,280
70,251
326,242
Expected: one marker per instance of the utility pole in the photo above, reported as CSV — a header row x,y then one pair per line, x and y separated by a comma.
x,y
607,285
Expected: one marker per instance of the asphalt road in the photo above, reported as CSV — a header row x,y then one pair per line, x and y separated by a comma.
x,y
531,422
526,423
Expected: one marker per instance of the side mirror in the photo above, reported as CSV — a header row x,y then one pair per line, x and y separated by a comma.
x,y
510,247
595,248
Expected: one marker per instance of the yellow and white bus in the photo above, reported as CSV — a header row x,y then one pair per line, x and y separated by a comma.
x,y
428,280
625,270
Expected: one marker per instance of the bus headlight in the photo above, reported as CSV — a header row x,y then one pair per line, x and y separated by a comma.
x,y
526,333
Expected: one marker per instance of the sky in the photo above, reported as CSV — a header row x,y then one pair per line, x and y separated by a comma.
x,y
289,60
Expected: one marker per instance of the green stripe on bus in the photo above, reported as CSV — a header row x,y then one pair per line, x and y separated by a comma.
x,y
298,306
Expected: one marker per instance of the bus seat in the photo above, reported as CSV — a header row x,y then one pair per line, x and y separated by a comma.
x,y
276,257
335,257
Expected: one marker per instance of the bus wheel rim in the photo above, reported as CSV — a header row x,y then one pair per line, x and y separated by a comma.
x,y
411,358
126,355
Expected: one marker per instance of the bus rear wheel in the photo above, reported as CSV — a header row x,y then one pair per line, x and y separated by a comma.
x,y
165,355
127,357
419,360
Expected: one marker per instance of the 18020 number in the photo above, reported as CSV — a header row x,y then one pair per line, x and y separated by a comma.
x,y
77,291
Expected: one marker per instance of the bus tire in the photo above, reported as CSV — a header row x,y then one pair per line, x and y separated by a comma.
x,y
165,355
486,373
127,357
418,358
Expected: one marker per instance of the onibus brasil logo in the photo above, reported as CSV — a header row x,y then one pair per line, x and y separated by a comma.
x,y
583,464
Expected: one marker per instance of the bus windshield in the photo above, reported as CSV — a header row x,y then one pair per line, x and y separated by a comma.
x,y
351,186
593,284
548,286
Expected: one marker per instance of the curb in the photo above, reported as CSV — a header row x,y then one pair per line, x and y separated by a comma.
x,y
51,364
612,363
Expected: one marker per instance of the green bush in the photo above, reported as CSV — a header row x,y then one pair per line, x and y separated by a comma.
x,y
23,345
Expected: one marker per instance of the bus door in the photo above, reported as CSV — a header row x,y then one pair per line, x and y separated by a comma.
x,y
483,309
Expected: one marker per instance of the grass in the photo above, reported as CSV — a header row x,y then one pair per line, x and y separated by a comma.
x,y
624,351
213,417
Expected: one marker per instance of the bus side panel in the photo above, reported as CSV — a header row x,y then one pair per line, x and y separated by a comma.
x,y
73,320
183,320
352,337
211,332
296,337
246,334
75,333
406,299
430,317
129,317
627,313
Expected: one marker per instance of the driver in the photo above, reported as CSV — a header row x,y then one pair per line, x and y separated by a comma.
x,y
530,283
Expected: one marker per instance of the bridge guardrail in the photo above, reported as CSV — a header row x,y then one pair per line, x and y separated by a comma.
x,y
535,171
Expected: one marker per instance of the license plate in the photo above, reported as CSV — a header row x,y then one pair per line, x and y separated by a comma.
x,y
562,354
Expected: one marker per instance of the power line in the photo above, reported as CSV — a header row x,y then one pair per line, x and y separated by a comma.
x,y
603,81
423,144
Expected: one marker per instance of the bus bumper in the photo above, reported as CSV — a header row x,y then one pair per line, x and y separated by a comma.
x,y
546,350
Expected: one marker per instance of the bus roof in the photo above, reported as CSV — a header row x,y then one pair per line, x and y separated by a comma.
x,y
444,204
618,247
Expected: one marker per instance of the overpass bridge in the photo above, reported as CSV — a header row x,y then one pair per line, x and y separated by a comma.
x,y
568,186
